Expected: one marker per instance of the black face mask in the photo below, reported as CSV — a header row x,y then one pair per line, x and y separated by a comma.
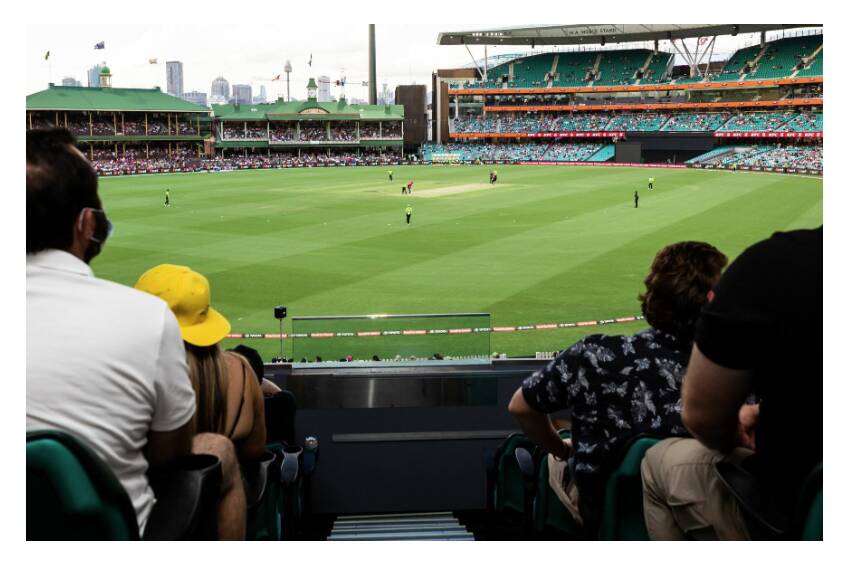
x,y
101,231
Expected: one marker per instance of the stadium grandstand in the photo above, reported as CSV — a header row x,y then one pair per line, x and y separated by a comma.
x,y
581,92
133,131
317,353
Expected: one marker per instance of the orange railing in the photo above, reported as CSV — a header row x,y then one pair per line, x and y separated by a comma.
x,y
718,85
668,106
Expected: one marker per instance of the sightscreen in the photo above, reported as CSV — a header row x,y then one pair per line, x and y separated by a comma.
x,y
392,337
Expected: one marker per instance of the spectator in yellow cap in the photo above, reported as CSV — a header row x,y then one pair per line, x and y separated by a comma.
x,y
229,399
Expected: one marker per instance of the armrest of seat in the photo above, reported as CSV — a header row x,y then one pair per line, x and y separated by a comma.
x,y
255,474
758,505
187,495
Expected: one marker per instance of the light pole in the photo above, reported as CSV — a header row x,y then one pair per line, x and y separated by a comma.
x,y
288,69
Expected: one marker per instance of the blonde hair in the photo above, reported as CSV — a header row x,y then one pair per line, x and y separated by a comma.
x,y
208,378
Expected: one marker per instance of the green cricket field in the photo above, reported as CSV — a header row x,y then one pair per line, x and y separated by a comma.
x,y
544,245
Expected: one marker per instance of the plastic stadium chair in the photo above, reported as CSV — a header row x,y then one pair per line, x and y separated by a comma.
x,y
764,519
549,514
73,495
811,507
623,515
263,521
508,484
280,411
291,474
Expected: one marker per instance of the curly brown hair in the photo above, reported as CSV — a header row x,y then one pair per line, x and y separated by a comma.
x,y
682,274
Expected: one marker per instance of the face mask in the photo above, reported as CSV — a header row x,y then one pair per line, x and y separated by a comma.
x,y
102,231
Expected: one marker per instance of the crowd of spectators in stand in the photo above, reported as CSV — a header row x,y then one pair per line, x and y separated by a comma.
x,y
533,122
313,132
306,159
570,151
472,152
758,121
780,157
345,132
805,122
135,160
392,130
79,127
637,122
133,128
283,132
772,156
696,122
156,127
102,126
186,128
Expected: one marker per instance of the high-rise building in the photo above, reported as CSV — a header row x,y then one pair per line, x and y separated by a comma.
x,y
174,76
324,89
220,90
385,96
195,97
70,81
94,76
242,94
263,96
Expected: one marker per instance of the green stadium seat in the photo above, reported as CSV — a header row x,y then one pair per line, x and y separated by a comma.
x,y
261,493
623,516
764,519
811,506
508,483
287,503
73,495
549,514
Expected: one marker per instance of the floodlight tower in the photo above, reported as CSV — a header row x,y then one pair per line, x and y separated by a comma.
x,y
372,66
288,70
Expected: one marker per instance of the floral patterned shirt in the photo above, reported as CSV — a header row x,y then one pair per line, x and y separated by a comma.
x,y
615,387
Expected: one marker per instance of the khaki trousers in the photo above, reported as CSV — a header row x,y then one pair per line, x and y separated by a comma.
x,y
683,497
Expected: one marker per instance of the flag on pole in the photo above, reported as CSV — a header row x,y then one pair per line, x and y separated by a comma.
x,y
101,45
310,60
47,55
275,78
153,61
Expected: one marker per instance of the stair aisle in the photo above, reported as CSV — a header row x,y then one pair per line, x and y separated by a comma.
x,y
437,526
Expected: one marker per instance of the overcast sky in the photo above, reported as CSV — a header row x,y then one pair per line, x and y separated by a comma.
x,y
253,54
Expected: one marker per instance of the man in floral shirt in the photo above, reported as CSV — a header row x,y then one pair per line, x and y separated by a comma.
x,y
619,386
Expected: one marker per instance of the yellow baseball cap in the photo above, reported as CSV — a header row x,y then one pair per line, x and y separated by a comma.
x,y
188,296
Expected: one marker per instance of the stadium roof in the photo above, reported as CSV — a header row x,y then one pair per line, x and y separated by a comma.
x,y
108,99
588,34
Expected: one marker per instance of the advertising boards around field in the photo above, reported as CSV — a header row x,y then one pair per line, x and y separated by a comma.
x,y
771,134
593,164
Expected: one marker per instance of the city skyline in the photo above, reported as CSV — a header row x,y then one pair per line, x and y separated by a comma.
x,y
405,55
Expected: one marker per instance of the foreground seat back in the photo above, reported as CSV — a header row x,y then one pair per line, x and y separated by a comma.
x,y
261,480
549,513
508,481
187,497
811,506
72,494
623,516
280,412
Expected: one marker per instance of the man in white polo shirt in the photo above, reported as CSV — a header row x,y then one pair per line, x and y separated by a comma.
x,y
105,362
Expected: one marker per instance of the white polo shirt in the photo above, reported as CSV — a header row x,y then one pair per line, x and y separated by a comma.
x,y
105,363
